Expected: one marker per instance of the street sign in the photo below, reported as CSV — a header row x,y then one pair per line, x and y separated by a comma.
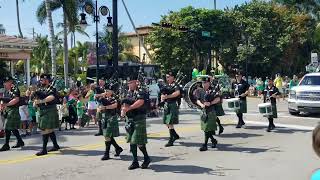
x,y
103,49
314,58
205,34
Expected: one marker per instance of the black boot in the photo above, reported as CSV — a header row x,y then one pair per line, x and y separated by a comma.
x,y
171,139
272,124
20,143
175,135
106,153
53,138
135,163
100,129
220,126
204,146
116,146
269,126
6,146
240,120
213,140
45,138
147,159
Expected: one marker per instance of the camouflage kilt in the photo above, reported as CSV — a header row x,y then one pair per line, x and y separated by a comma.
x,y
243,107
139,135
12,120
110,126
219,109
171,113
274,111
49,118
208,122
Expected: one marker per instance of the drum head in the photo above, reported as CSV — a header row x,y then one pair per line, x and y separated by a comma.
x,y
192,89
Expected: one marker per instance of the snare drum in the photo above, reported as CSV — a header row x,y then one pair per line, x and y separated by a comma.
x,y
265,109
233,104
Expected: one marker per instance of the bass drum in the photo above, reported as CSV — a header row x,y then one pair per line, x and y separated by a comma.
x,y
191,93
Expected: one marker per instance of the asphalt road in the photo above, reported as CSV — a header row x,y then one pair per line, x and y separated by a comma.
x,y
242,154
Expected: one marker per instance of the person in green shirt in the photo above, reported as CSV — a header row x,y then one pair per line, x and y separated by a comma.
x,y
80,109
32,113
293,82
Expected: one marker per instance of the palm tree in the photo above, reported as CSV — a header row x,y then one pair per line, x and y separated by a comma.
x,y
70,10
41,56
44,12
125,46
18,18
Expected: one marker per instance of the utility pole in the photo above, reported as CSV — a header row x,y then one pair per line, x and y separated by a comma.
x,y
33,33
115,45
215,4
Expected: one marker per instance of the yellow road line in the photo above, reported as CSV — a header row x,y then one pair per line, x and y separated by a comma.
x,y
193,128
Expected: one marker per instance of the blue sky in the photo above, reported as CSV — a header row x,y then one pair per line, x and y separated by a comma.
x,y
143,12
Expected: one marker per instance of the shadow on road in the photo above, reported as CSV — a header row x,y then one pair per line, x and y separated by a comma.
x,y
282,130
239,135
231,148
185,169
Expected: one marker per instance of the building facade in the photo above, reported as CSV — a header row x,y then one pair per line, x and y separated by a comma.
x,y
138,49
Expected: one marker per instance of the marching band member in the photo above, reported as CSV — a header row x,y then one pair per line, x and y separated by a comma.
x,y
241,89
271,92
10,107
133,107
110,127
48,114
100,89
171,110
218,107
207,100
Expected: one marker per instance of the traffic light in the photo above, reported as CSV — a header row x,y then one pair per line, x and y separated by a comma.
x,y
166,25
183,28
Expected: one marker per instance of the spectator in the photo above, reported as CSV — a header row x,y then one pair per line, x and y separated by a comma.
x,y
80,109
293,82
154,92
278,82
260,86
25,118
92,104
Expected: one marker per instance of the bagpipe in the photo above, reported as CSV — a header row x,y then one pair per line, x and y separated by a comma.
x,y
167,90
142,87
41,94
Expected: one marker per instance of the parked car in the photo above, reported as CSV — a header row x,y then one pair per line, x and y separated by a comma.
x,y
305,97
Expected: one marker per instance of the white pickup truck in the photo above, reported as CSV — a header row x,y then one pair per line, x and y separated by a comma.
x,y
306,96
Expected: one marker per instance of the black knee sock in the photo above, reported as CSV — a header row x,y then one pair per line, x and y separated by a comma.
x,y
108,144
54,139
17,134
240,118
206,138
8,135
171,133
134,149
143,149
218,122
114,143
45,138
175,133
211,133
100,127
270,122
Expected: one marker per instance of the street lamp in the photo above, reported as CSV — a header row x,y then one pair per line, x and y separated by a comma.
x,y
104,11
